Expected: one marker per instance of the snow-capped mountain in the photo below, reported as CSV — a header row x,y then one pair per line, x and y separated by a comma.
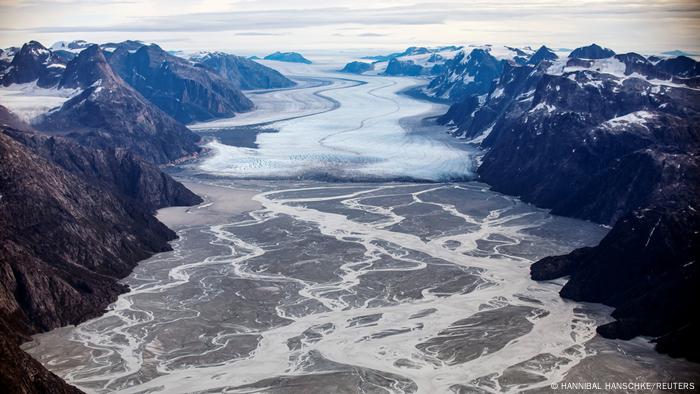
x,y
543,53
605,137
67,50
127,94
413,61
70,46
469,73
181,89
6,56
33,62
477,78
473,70
437,61
108,113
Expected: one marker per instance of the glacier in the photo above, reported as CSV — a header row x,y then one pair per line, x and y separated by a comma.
x,y
333,127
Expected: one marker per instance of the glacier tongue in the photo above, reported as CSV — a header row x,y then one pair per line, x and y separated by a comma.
x,y
29,101
372,132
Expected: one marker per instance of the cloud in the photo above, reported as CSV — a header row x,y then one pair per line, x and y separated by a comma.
x,y
627,24
415,14
257,33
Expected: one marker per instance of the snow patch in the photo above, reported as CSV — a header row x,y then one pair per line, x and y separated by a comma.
x,y
633,118
543,107
481,137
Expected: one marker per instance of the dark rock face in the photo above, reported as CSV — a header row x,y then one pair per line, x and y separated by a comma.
x,y
129,45
543,53
22,374
111,114
179,88
467,75
67,51
403,67
6,56
646,267
593,51
291,57
32,63
600,141
357,67
681,66
115,169
244,73
89,238
67,235
9,119
87,69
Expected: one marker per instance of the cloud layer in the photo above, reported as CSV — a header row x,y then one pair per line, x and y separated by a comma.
x,y
652,25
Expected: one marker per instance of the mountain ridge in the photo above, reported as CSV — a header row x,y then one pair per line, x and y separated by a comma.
x,y
613,139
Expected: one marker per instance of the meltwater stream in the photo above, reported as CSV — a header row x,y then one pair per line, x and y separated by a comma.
x,y
341,288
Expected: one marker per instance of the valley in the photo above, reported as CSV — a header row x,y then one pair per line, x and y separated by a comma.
x,y
281,283
477,218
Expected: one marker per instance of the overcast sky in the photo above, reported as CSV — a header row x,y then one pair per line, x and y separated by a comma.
x,y
260,26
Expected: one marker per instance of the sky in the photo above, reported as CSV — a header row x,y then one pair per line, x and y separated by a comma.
x,y
261,26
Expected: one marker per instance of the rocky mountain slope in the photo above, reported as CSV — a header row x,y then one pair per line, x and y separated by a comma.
x,y
613,139
118,170
6,56
181,89
33,62
73,221
76,218
77,187
109,113
246,74
469,74
68,50
413,61
128,95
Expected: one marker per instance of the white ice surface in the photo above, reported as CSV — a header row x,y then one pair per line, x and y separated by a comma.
x,y
361,138
28,101
637,117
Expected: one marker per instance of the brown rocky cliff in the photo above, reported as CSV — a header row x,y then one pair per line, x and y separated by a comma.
x,y
68,233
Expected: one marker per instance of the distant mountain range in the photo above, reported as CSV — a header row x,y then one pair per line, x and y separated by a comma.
x,y
291,57
82,130
244,73
424,61
133,95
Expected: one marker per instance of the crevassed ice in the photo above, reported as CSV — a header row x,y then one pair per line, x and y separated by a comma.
x,y
363,138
